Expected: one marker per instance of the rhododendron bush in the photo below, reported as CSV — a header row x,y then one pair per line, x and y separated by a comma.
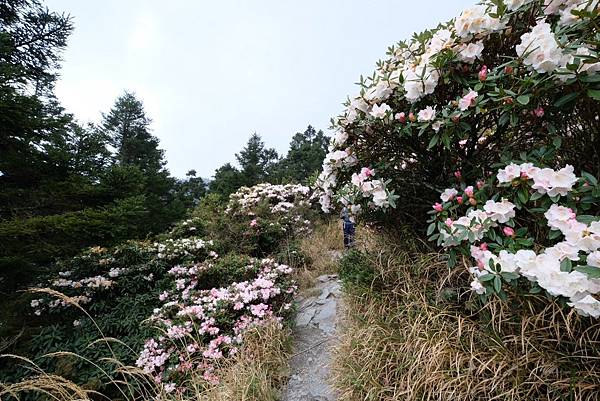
x,y
198,288
501,77
202,326
527,228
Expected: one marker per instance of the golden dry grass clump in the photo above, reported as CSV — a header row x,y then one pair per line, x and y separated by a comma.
x,y
322,248
256,373
424,336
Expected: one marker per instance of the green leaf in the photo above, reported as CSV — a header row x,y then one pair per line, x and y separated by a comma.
x,y
553,234
535,290
523,195
523,99
587,219
591,271
566,99
497,284
594,93
433,141
478,87
509,276
589,178
535,196
557,142
566,265
590,78
486,277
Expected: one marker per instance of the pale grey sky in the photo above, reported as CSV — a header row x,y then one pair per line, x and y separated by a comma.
x,y
212,72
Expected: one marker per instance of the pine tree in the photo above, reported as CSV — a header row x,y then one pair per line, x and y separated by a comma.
x,y
256,161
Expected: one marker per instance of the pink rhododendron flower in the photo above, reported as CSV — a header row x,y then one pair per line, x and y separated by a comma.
x,y
469,191
459,199
400,117
438,207
467,100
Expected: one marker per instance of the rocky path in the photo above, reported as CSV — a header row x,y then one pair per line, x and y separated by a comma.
x,y
314,337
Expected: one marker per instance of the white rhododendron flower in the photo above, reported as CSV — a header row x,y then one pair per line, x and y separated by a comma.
x,y
513,5
467,100
448,194
563,250
553,183
589,68
509,173
540,49
587,306
380,111
478,287
559,217
379,92
340,138
419,82
565,9
427,114
500,212
587,238
441,39
475,21
468,53
593,259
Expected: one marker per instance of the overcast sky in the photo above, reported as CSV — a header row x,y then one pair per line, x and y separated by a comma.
x,y
212,72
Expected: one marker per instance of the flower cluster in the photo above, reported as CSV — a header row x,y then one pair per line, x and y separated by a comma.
x,y
274,208
281,198
201,326
364,189
82,288
171,249
565,265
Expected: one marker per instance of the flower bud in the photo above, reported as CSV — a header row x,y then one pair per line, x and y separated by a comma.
x,y
459,199
483,246
483,73
401,117
473,201
508,69
438,207
508,100
508,231
449,222
480,184
411,117
539,112
458,174
455,119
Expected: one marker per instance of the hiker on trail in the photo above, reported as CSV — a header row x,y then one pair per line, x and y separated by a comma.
x,y
348,226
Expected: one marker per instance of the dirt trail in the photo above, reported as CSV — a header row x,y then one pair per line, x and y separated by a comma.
x,y
314,337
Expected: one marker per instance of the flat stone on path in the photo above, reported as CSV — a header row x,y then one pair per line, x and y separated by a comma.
x,y
314,337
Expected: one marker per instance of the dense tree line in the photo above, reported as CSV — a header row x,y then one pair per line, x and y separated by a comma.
x,y
65,185
260,164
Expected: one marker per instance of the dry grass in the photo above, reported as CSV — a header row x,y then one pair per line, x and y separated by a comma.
x,y
255,374
322,249
425,338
